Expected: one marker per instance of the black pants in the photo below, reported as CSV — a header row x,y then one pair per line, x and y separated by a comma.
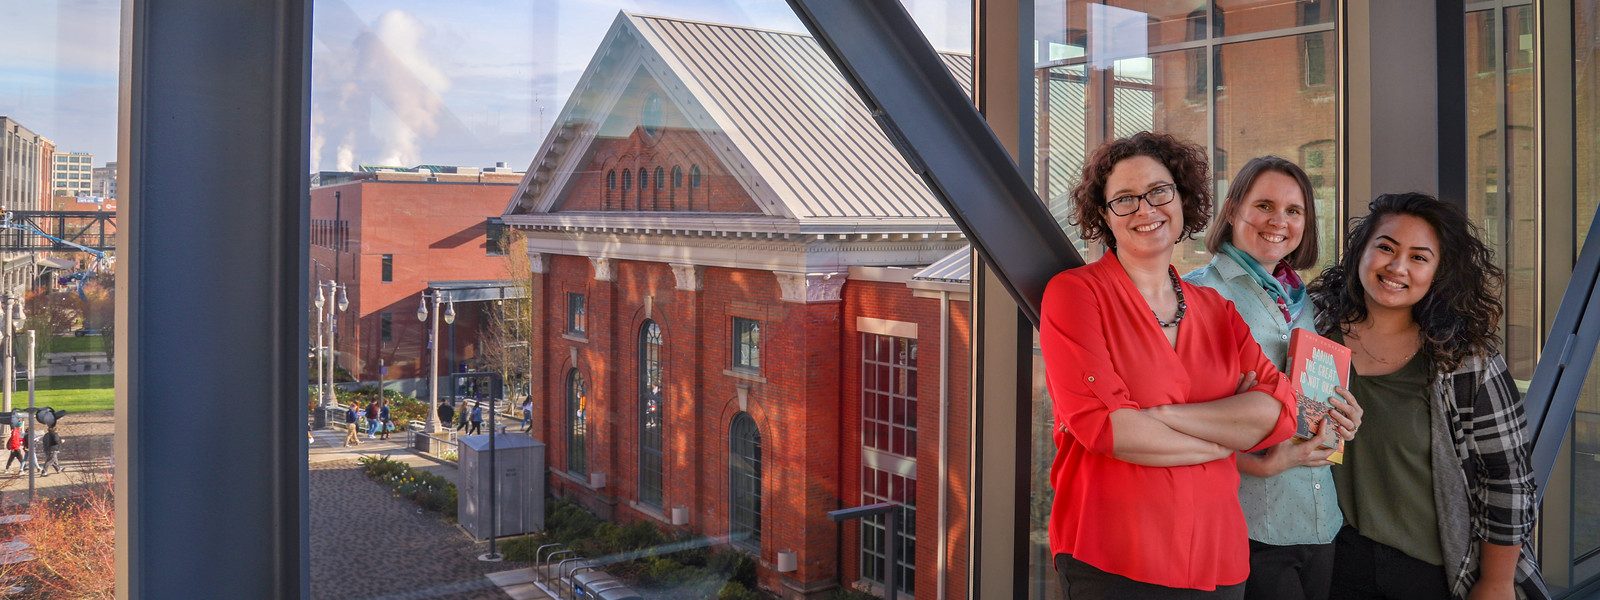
x,y
1082,581
1364,569
1299,572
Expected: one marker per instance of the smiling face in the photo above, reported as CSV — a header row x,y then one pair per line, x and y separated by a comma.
x,y
1399,262
1150,229
1270,222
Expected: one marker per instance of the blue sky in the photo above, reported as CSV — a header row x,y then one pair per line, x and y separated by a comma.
x,y
398,82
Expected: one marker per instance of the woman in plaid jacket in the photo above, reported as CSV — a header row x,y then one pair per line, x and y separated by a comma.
x,y
1438,493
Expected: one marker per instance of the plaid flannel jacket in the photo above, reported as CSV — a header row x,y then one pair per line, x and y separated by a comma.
x,y
1483,483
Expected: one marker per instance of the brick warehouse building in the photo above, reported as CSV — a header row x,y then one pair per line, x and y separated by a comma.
x,y
731,339
385,233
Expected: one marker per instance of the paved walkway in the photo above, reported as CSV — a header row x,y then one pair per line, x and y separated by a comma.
x,y
366,543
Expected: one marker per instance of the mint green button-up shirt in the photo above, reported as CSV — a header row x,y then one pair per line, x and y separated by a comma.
x,y
1300,505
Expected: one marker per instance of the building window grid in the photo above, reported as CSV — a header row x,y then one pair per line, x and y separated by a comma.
x,y
746,344
577,427
744,474
388,268
889,394
881,486
650,415
576,313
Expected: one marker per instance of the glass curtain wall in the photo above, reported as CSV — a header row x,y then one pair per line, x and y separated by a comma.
x,y
1242,78
703,221
1585,443
58,153
1503,163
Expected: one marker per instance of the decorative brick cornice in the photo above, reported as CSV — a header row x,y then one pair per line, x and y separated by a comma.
x,y
605,269
691,278
811,287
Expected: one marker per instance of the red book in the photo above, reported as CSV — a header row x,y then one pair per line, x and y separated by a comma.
x,y
1316,364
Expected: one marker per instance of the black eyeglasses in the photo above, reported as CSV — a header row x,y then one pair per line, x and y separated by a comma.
x,y
1123,206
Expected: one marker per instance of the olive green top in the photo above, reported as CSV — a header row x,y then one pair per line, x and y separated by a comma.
x,y
1386,482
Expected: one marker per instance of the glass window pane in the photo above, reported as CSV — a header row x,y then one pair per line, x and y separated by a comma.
x,y
58,152
1274,95
660,161
1301,128
1585,442
1234,17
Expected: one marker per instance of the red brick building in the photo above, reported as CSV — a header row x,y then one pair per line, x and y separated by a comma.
x,y
731,334
385,234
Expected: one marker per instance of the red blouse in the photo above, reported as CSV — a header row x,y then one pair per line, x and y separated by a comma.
x,y
1103,351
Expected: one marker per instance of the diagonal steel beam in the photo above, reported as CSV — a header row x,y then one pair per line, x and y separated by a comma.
x,y
911,95
1564,363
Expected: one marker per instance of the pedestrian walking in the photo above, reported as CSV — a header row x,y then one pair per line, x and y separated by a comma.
x,y
52,450
372,419
477,418
350,419
385,424
461,417
15,445
527,414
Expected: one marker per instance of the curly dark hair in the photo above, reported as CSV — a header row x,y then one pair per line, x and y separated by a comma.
x,y
1460,314
1190,173
1304,256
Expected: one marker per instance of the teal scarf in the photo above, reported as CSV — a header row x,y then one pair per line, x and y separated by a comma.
x,y
1290,298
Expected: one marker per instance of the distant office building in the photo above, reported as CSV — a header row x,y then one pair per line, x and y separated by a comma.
x,y
74,173
103,184
23,165
388,234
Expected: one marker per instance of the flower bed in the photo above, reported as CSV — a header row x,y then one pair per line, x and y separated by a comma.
x,y
428,490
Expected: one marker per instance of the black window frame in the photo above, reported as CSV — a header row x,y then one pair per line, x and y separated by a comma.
x,y
652,414
577,313
746,344
385,327
745,482
577,392
387,269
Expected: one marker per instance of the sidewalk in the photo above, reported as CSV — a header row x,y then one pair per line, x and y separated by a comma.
x,y
367,543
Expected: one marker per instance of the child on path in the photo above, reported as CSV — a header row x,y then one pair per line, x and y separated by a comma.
x,y
52,442
15,444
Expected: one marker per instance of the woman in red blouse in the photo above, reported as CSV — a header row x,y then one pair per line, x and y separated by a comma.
x,y
1156,384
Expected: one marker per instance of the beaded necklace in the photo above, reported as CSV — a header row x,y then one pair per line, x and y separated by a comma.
x,y
1177,318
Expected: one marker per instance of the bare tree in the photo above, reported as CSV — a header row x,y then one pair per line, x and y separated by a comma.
x,y
506,347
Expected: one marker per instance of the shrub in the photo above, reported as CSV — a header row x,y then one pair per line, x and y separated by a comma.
x,y
849,594
428,490
735,566
737,591
72,541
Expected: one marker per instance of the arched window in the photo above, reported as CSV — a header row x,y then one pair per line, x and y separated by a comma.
x,y
644,184
627,179
744,480
694,177
651,414
577,426
661,183
611,184
677,182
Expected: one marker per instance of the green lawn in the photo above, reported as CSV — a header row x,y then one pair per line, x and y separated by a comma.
x,y
72,393
88,343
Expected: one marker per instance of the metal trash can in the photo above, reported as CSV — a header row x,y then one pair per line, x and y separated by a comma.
x,y
520,462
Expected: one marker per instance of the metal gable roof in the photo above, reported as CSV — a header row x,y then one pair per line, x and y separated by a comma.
x,y
955,268
787,109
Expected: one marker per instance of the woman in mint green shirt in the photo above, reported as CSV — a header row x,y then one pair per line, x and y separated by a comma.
x,y
1287,491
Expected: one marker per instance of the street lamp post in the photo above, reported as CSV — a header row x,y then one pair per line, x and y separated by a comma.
x,y
343,303
12,324
449,315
